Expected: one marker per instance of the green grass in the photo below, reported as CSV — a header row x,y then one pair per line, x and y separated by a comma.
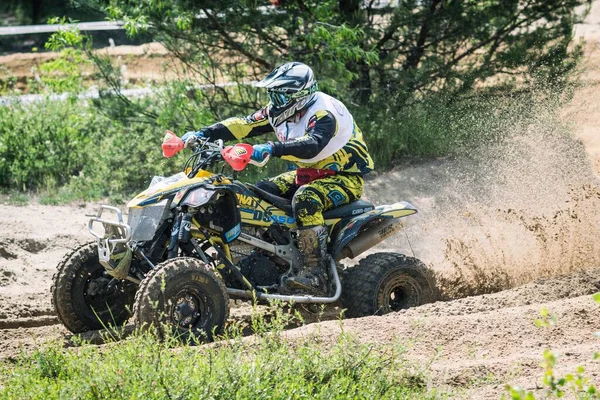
x,y
265,366
14,197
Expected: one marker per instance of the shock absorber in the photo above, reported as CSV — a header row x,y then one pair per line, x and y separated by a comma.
x,y
185,228
173,245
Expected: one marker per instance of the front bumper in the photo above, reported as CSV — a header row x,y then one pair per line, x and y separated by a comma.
x,y
113,251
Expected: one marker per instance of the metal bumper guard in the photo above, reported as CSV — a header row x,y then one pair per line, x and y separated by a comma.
x,y
113,252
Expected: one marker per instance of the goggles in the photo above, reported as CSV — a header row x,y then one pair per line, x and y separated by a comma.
x,y
279,99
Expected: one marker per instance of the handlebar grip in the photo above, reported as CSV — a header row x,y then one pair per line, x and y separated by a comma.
x,y
262,163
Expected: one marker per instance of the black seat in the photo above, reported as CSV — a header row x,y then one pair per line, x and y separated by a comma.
x,y
349,210
279,202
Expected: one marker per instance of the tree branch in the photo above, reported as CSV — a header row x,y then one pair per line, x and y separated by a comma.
x,y
416,52
235,45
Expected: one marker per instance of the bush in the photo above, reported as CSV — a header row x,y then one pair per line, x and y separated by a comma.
x,y
45,144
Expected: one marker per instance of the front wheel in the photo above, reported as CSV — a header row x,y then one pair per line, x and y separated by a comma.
x,y
185,297
82,297
387,282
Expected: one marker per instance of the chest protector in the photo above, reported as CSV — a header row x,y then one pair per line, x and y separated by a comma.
x,y
296,128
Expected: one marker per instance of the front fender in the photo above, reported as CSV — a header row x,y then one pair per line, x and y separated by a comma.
x,y
353,227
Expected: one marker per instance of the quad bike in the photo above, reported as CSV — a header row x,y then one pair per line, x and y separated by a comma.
x,y
196,239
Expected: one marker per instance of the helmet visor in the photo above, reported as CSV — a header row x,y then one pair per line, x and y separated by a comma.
x,y
279,99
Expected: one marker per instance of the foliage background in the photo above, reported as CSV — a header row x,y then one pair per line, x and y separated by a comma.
x,y
422,78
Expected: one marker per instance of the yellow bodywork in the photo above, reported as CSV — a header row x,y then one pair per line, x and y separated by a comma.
x,y
167,189
255,211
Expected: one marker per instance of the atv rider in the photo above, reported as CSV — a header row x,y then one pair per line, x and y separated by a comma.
x,y
317,133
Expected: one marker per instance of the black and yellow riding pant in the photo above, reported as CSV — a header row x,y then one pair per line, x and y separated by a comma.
x,y
310,200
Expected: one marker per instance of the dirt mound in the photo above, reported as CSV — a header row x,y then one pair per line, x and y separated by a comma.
x,y
12,248
4,253
538,292
481,343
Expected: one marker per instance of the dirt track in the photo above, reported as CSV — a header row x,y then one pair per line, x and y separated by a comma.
x,y
33,239
474,345
138,65
528,211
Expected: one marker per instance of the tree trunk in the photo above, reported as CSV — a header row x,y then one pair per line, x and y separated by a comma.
x,y
416,52
351,14
362,85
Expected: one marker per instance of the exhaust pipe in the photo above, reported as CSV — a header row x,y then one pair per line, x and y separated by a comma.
x,y
369,238
246,294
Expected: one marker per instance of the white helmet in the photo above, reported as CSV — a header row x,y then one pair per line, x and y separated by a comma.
x,y
291,89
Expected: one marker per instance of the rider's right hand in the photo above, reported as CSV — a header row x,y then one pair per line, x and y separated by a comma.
x,y
191,138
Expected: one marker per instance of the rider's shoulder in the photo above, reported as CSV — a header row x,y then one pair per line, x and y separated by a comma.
x,y
327,102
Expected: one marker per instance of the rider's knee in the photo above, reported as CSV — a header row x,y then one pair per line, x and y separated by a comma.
x,y
308,205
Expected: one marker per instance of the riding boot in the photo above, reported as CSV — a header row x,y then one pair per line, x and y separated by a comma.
x,y
312,243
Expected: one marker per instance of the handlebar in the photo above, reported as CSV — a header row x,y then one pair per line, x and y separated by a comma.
x,y
206,153
262,163
205,144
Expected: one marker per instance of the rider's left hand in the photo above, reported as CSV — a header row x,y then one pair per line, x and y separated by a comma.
x,y
261,151
191,138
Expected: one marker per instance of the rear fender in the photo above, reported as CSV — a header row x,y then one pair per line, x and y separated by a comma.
x,y
353,227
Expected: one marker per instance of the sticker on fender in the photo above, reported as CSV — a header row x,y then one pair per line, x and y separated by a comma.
x,y
278,219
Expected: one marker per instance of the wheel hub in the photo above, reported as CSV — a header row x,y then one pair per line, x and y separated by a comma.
x,y
97,287
401,294
396,298
186,311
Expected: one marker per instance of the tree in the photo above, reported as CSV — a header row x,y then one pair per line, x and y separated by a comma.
x,y
411,71
392,49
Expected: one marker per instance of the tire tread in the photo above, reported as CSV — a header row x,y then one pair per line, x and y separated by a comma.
x,y
143,312
67,268
362,281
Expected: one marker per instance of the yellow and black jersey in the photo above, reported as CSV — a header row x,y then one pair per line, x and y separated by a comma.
x,y
323,136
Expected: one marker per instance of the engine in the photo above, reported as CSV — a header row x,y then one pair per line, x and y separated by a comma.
x,y
260,271
260,268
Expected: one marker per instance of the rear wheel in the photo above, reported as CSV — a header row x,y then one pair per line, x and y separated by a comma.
x,y
81,296
387,282
185,297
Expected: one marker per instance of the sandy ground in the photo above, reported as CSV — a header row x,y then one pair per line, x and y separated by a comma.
x,y
139,65
505,215
473,346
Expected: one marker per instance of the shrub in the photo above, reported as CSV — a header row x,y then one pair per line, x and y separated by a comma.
x,y
45,144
